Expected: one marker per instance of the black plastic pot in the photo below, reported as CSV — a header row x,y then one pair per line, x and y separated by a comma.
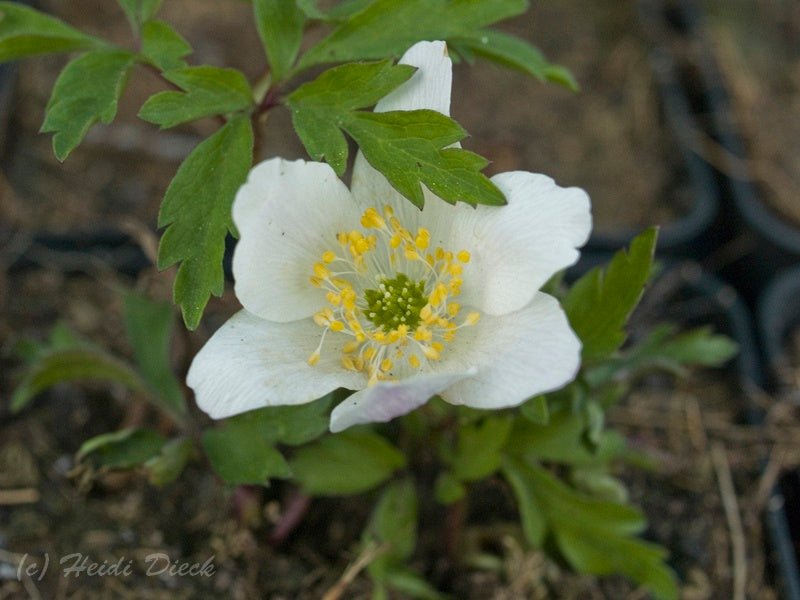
x,y
688,236
726,310
778,317
762,241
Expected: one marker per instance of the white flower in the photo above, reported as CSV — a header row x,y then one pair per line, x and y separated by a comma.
x,y
359,289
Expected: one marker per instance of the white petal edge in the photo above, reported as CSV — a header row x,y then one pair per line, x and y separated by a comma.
x,y
386,400
518,355
288,214
429,87
251,363
516,248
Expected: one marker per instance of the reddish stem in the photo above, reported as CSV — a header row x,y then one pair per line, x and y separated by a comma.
x,y
295,509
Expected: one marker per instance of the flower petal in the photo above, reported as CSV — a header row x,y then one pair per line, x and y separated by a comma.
x,y
251,363
288,214
429,87
516,248
518,355
386,400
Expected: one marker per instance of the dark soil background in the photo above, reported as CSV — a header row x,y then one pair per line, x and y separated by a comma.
x,y
757,46
609,139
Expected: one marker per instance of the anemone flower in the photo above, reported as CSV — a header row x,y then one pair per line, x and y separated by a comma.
x,y
359,289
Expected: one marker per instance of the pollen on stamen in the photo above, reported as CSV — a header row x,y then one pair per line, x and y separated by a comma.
x,y
408,316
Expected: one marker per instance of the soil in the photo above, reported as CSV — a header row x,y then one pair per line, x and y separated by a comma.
x,y
757,46
609,138
606,139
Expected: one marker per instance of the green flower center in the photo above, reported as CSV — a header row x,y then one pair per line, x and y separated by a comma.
x,y
396,301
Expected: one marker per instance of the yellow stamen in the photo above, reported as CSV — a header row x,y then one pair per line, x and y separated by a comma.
x,y
472,318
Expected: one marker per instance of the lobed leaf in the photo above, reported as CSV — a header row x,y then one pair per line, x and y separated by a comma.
x,y
411,148
343,10
280,27
207,91
27,32
149,326
197,214
600,302
86,91
291,425
240,455
320,107
511,51
389,27
164,47
346,463
139,12
563,440
479,449
593,535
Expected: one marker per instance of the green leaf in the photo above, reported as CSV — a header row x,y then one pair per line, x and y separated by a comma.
x,y
292,425
164,47
149,326
208,91
408,147
478,451
345,463
516,53
411,147
139,11
280,27
393,521
241,456
534,525
86,91
412,584
665,350
320,107
74,364
536,410
27,32
593,535
389,27
61,338
598,483
599,554
122,449
197,213
563,440
448,488
600,302
696,347
168,464
340,12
